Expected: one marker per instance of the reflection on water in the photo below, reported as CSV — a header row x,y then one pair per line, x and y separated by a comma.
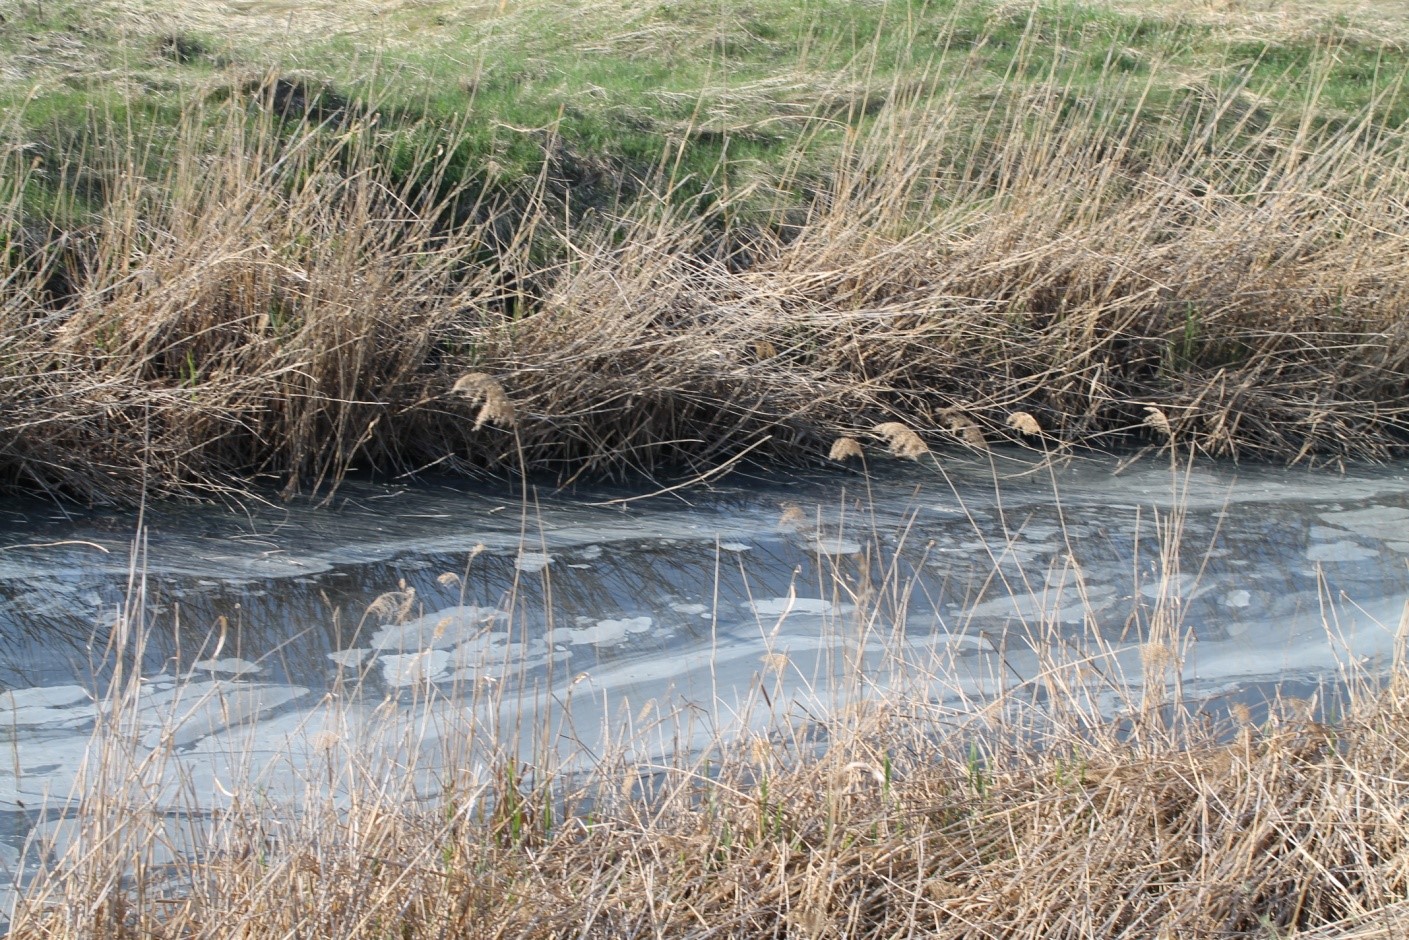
x,y
290,594
425,597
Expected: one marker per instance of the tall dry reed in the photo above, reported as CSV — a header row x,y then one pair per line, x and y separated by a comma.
x,y
287,306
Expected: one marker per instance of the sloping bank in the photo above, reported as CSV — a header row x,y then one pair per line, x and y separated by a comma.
x,y
683,236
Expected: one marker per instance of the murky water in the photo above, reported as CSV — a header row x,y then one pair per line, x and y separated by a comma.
x,y
448,608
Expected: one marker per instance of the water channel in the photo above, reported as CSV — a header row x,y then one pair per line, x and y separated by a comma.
x,y
243,642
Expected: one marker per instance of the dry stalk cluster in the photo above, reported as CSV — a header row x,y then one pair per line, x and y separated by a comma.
x,y
288,309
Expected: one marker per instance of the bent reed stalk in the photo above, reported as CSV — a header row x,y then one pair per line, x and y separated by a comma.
x,y
271,295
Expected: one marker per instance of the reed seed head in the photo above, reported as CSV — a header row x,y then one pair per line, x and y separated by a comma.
x,y
792,518
963,427
495,407
1157,419
901,441
392,606
775,662
1024,423
1158,657
845,448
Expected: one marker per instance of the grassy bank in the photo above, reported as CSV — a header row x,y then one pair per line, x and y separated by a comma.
x,y
263,246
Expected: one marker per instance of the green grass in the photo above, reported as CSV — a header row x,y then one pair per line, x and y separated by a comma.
x,y
710,95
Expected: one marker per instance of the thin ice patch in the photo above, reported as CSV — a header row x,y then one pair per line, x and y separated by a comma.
x,y
1344,550
414,668
608,632
230,666
532,562
202,709
1238,598
439,630
805,606
835,547
1376,522
350,659
53,696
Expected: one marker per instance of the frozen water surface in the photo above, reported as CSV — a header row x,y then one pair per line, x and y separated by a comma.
x,y
257,652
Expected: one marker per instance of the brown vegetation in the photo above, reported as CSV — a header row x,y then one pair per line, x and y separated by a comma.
x,y
286,310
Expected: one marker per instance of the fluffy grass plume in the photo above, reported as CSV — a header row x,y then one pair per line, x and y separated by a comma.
x,y
1024,423
495,406
845,448
963,427
901,440
1156,418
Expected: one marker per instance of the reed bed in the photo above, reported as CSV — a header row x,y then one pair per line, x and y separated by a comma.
x,y
267,292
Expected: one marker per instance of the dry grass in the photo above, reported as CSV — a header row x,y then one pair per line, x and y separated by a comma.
x,y
283,299
276,21
1262,19
286,307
